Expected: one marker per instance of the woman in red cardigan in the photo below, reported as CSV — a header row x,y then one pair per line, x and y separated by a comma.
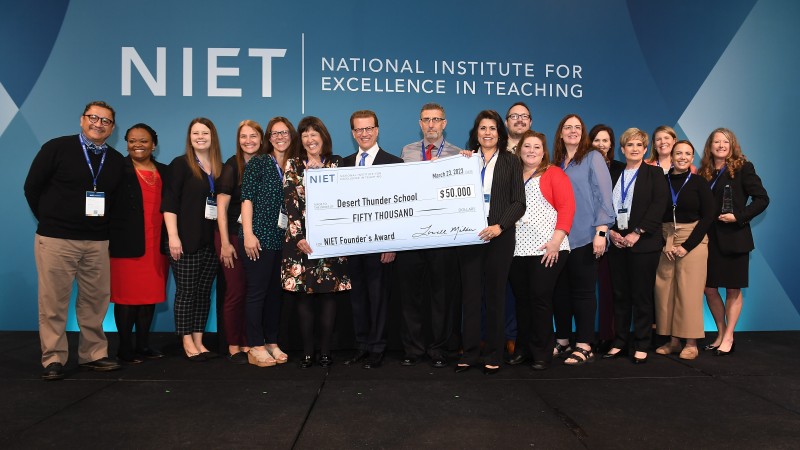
x,y
541,249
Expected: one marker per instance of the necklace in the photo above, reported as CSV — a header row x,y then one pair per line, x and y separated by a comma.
x,y
148,180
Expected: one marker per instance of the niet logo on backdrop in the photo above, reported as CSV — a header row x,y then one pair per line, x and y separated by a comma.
x,y
158,83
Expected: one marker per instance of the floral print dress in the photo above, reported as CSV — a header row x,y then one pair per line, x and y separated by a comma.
x,y
298,273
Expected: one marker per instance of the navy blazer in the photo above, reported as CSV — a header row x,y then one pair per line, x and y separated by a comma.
x,y
650,199
127,214
737,237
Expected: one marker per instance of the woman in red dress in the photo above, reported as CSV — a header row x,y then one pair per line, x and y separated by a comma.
x,y
138,269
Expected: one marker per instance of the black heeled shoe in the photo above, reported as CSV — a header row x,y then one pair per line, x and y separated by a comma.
x,y
306,362
719,352
640,360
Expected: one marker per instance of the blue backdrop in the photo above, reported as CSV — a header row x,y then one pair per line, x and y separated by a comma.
x,y
693,65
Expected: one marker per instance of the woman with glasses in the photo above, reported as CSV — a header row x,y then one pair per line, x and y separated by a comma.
x,y
575,291
138,269
262,232
639,198
226,239
190,214
485,267
739,197
310,280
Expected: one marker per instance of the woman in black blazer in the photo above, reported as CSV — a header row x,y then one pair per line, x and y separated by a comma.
x,y
485,267
639,197
730,239
138,269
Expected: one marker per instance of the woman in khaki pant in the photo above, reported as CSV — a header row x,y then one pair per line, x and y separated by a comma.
x,y
681,275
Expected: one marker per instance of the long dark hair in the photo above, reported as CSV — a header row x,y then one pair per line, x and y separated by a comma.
x,y
560,149
502,133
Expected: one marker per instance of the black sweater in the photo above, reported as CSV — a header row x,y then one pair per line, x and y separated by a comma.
x,y
695,203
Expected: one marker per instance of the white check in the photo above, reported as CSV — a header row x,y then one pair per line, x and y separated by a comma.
x,y
394,207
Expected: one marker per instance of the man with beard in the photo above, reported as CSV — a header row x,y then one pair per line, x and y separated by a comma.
x,y
518,121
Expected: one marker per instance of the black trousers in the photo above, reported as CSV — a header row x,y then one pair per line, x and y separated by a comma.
x,y
263,301
575,296
484,275
369,298
424,275
534,284
633,277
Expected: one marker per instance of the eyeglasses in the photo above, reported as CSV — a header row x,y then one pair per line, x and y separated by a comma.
x,y
367,130
435,120
279,133
572,127
519,116
93,118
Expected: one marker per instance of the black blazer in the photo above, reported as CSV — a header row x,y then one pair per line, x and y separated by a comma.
x,y
734,238
507,204
127,214
650,199
382,157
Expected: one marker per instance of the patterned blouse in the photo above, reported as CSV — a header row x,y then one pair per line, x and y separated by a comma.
x,y
261,184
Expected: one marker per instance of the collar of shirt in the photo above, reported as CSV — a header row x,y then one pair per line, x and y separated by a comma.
x,y
91,146
371,152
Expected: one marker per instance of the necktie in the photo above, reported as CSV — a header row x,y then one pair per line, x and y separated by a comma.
x,y
94,148
428,152
363,158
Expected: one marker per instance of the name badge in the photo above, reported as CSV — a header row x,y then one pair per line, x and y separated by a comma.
x,y
486,203
283,220
95,204
211,209
239,219
622,219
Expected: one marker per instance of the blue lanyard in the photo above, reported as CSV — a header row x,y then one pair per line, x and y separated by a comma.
x,y
322,160
422,144
672,190
529,178
627,188
658,163
208,175
721,171
277,166
89,163
485,164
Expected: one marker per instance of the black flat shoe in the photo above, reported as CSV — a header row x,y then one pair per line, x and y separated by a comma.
x,y
540,365
639,360
209,355
719,352
517,359
490,370
461,368
237,358
325,361
619,354
439,362
409,361
357,358
306,362
710,347
194,357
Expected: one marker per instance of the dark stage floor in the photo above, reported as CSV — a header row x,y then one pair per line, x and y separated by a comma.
x,y
750,399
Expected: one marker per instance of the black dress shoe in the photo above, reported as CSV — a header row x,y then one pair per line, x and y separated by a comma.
x,y
150,353
439,362
719,352
237,358
461,368
325,361
374,361
357,358
409,361
102,365
53,371
490,370
516,359
540,365
306,362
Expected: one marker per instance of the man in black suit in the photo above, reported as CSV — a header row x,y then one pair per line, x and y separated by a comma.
x,y
369,276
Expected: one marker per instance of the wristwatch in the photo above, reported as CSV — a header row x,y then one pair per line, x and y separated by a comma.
x,y
638,231
601,233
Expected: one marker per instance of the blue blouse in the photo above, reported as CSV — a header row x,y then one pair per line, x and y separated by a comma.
x,y
591,182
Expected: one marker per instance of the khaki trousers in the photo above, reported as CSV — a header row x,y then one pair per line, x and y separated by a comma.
x,y
679,286
59,262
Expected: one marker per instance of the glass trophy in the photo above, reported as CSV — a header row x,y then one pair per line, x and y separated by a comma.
x,y
727,200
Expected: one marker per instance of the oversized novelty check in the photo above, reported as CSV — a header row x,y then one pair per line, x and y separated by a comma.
x,y
394,207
